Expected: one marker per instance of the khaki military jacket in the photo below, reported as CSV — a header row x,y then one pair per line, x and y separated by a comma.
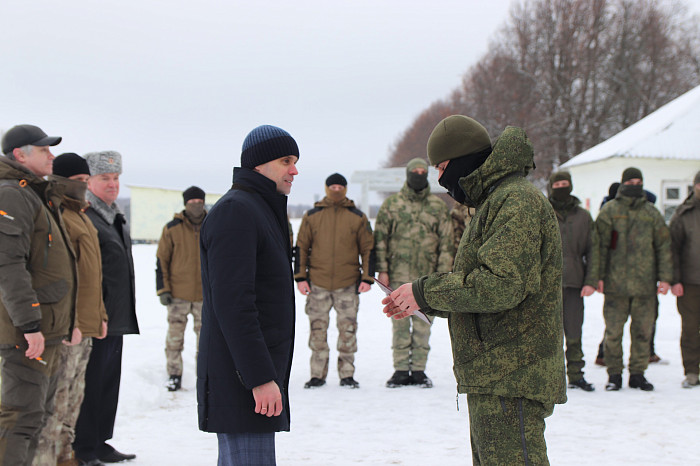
x,y
37,266
331,240
178,269
685,242
503,299
633,247
413,236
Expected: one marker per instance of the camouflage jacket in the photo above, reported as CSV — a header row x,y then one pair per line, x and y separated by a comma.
x,y
413,236
503,299
461,215
633,250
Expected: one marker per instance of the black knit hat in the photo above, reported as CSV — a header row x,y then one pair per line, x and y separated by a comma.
x,y
69,164
193,192
631,173
336,178
266,143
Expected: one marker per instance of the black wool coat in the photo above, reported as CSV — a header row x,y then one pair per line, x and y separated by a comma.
x,y
247,335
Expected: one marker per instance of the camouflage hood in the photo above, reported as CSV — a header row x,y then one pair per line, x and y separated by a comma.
x,y
415,195
512,155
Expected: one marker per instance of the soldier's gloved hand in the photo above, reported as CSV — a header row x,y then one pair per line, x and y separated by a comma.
x,y
166,298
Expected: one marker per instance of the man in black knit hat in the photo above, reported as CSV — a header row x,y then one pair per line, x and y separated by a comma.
x,y
179,279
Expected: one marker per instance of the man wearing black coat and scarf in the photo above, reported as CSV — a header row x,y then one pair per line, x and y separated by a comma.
x,y
247,335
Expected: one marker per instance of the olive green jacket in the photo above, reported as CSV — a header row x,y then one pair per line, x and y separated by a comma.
x,y
503,299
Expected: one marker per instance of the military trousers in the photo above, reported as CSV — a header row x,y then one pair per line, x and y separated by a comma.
x,y
27,389
616,310
56,439
318,305
177,323
573,325
507,430
410,345
689,309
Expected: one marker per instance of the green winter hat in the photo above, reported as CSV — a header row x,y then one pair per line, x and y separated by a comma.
x,y
456,136
631,173
560,176
416,163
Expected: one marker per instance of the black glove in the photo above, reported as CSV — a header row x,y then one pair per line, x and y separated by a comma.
x,y
166,298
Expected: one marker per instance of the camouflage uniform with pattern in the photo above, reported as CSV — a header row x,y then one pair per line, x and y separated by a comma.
x,y
504,307
461,215
413,237
632,252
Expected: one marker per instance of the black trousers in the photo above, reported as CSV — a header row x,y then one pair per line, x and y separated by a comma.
x,y
99,409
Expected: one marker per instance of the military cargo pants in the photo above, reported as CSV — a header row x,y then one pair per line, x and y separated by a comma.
x,y
56,438
507,430
318,306
573,324
616,310
689,309
27,390
177,323
410,346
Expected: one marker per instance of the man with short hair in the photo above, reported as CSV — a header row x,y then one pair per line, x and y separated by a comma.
x,y
632,263
331,238
576,230
685,246
179,279
247,337
103,376
37,290
413,237
503,298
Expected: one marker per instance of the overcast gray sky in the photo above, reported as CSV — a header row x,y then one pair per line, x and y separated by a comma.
x,y
175,86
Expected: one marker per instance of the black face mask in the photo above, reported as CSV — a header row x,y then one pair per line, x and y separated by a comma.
x,y
416,181
459,168
631,190
561,194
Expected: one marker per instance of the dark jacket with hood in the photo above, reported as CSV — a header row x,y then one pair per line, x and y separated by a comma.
x,y
247,336
117,266
37,267
685,242
503,299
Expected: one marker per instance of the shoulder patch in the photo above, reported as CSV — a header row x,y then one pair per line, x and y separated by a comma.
x,y
314,210
173,223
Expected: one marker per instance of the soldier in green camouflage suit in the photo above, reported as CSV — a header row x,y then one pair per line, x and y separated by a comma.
x,y
412,238
503,299
632,252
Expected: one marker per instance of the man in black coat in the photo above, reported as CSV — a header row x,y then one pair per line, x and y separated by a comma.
x,y
103,375
247,335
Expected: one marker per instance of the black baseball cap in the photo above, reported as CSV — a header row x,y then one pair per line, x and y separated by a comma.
x,y
26,135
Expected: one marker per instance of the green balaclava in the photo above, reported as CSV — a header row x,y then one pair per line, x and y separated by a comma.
x,y
415,181
631,190
560,194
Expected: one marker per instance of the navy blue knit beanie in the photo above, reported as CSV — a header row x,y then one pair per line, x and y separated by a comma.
x,y
69,164
266,143
336,178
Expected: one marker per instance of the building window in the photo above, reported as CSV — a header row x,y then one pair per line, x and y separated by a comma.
x,y
674,193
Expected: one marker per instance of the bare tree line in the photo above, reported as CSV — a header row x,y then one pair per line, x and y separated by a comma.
x,y
572,73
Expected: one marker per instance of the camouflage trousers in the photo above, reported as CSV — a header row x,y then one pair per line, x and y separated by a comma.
x,y
56,438
177,323
573,325
318,307
616,311
507,430
27,390
410,343
689,309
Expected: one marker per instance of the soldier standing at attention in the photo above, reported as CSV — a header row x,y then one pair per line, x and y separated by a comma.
x,y
503,299
179,279
413,237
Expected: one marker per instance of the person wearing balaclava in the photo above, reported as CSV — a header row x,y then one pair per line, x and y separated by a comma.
x,y
334,263
503,297
576,230
179,279
413,237
685,248
634,264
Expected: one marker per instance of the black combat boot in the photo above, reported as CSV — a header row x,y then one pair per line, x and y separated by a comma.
x,y
582,384
614,383
420,379
638,381
349,382
399,379
174,383
315,382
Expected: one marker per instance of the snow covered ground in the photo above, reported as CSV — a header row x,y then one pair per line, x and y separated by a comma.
x,y
410,426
